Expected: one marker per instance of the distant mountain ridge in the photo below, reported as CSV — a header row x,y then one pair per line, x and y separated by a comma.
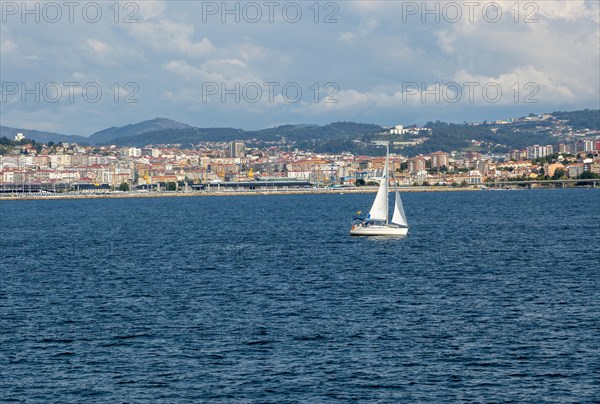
x,y
157,124
167,131
295,133
337,137
42,136
99,138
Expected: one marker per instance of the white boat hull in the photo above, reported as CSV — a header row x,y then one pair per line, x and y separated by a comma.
x,y
379,231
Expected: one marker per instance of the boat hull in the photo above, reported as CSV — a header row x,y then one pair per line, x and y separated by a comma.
x,y
378,231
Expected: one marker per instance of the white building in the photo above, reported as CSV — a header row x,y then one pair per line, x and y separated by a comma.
x,y
134,152
537,151
60,160
398,130
237,149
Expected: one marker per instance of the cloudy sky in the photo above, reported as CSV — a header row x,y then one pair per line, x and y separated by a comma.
x,y
80,67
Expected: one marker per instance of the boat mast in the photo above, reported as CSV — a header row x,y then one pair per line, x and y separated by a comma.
x,y
387,182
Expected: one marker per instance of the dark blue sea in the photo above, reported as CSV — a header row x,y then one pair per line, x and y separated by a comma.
x,y
494,296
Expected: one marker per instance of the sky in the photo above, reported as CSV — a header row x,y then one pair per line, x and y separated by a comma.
x,y
80,67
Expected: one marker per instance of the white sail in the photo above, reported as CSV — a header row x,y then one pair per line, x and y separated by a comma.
x,y
379,210
399,217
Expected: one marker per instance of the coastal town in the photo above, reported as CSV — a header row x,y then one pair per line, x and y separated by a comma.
x,y
50,168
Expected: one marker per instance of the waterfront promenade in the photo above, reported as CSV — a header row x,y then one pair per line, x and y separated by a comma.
x,y
215,192
222,191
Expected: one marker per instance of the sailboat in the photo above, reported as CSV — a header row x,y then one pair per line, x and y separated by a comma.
x,y
377,222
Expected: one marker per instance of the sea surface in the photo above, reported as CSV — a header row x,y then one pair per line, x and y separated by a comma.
x,y
493,296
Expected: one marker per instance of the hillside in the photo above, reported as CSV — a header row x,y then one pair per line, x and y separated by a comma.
x,y
102,137
494,138
291,134
42,136
501,138
583,119
340,137
107,135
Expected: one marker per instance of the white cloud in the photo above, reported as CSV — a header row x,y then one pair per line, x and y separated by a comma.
x,y
78,76
559,53
224,63
98,47
216,70
169,36
184,70
364,29
369,53
109,54
401,12
149,9
347,37
7,46
520,83
570,10
251,51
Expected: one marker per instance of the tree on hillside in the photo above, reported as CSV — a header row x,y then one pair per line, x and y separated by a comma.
x,y
588,175
559,172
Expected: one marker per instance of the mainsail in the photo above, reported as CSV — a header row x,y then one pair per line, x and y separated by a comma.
x,y
379,210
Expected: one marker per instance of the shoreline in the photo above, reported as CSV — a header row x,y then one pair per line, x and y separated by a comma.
x,y
237,192
131,195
